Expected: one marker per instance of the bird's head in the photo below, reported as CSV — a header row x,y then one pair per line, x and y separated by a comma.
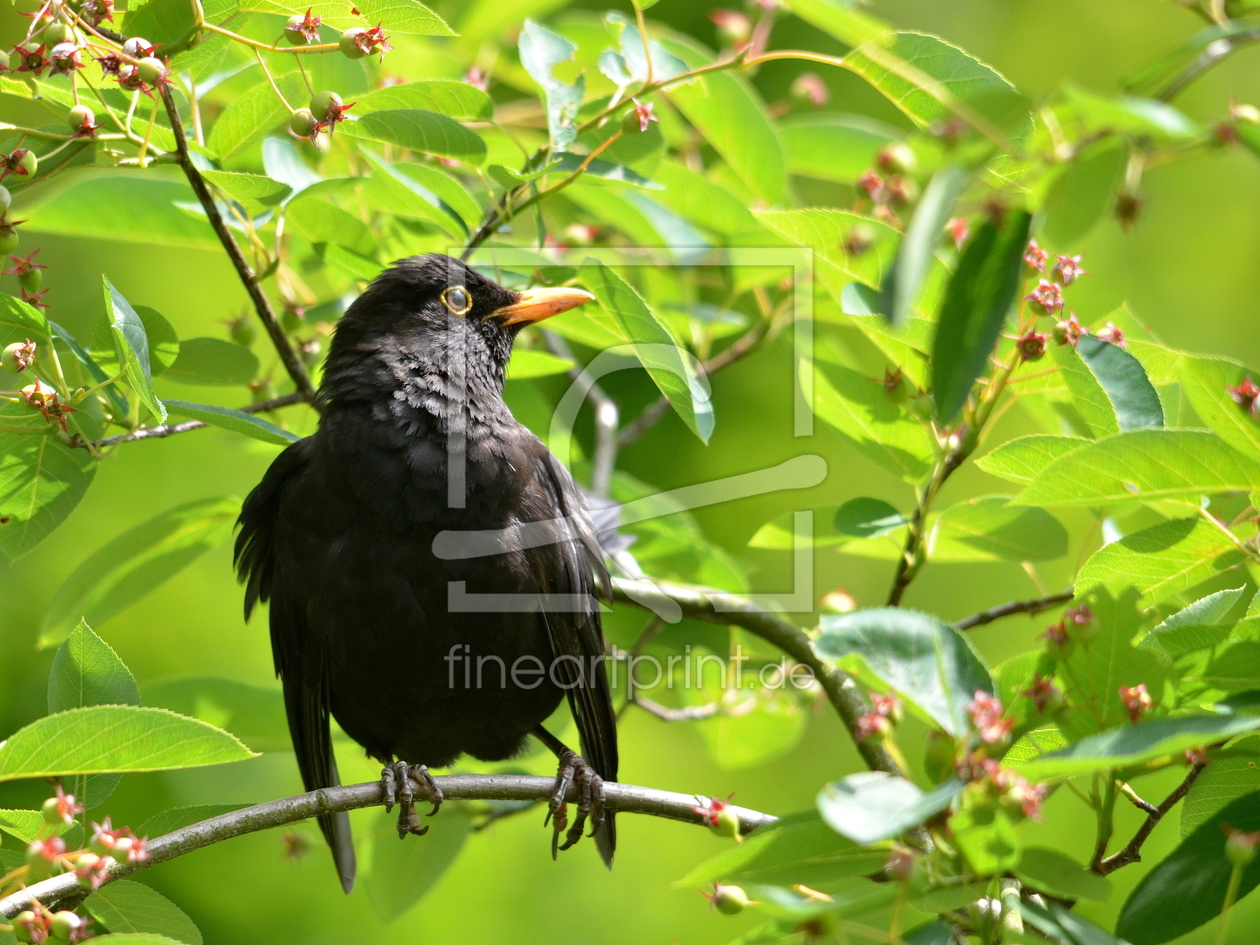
x,y
424,313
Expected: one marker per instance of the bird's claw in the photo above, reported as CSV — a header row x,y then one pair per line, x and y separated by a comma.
x,y
396,789
590,801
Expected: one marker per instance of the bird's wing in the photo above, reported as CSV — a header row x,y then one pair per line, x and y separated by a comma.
x,y
299,659
574,566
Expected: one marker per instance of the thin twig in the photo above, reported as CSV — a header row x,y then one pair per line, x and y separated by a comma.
x,y
262,305
685,714
624,798
1029,607
732,610
1132,853
170,429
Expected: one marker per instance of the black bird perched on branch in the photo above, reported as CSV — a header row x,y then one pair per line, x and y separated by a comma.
x,y
430,566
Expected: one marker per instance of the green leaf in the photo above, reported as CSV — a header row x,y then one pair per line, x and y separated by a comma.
x,y
1126,114
530,362
87,671
929,663
1082,193
123,208
603,170
1124,380
1205,381
730,114
826,232
18,321
937,72
798,848
238,421
780,533
863,413
419,130
179,817
1050,871
255,714
1134,744
976,304
28,825
213,362
168,24
139,938
454,99
450,191
131,346
1160,561
127,906
1023,459
987,838
901,287
1187,888
136,563
41,482
1200,626
410,198
873,805
1220,784
1143,464
358,267
1236,669
541,51
988,527
404,16
868,518
1087,395
105,739
254,115
1064,927
254,192
321,221
402,873
665,361
843,20
833,147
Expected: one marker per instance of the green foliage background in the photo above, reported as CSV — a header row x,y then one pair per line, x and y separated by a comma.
x,y
1190,269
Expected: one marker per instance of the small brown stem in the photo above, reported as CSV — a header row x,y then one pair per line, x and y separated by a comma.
x,y
1132,852
1029,607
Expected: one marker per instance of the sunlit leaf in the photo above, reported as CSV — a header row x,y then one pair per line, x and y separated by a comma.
x,y
833,147
1200,626
1082,193
254,714
253,115
131,346
1124,381
41,482
254,192
165,23
124,209
1023,458
1220,784
1206,382
541,51
238,421
419,130
457,100
530,362
868,518
904,282
87,671
845,21
404,16
872,805
127,906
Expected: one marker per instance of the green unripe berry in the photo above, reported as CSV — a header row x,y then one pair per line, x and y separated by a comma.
x,y
80,116
630,124
323,103
64,925
6,199
85,864
52,808
302,123
8,239
349,48
58,32
293,34
136,46
151,70
730,900
243,332
27,161
31,280
896,158
726,824
1240,848
38,866
17,358
23,923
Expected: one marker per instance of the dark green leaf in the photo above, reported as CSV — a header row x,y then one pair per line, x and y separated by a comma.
x,y
1187,888
1124,380
127,906
977,300
868,518
41,482
1082,193
541,51
105,739
419,130
87,671
402,873
872,805
901,287
213,362
1050,871
169,24
929,663
254,714
136,563
1064,927
1200,626
237,421
131,346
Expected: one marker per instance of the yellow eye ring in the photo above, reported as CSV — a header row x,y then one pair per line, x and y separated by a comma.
x,y
457,300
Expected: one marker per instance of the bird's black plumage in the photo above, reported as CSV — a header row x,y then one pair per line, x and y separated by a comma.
x,y
339,537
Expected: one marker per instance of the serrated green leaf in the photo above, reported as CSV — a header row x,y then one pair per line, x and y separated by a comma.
x,y
1082,193
404,16
41,482
454,99
904,281
127,906
87,671
213,362
254,192
541,51
419,130
993,529
929,663
873,805
410,198
1124,381
131,346
669,366
827,232
975,307
833,147
29,825
136,563
1199,626
255,714
1218,785
1143,464
321,221
109,739
1206,382
843,20
254,115
1024,458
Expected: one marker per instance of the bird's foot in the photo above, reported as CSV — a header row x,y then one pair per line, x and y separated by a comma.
x,y
590,802
396,789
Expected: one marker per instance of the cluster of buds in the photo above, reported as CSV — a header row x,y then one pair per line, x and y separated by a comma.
x,y
357,42
734,28
137,69
121,844
1018,796
809,87
1077,626
1045,695
46,401
988,718
1137,701
1246,395
886,712
718,816
888,184
727,899
325,111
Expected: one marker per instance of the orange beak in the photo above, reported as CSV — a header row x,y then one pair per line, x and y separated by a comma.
x,y
536,304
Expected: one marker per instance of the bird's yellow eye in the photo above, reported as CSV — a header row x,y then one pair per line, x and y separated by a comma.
x,y
457,300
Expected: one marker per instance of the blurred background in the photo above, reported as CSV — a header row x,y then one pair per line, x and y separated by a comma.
x,y
1190,269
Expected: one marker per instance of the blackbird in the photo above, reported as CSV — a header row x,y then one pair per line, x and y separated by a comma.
x,y
431,569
